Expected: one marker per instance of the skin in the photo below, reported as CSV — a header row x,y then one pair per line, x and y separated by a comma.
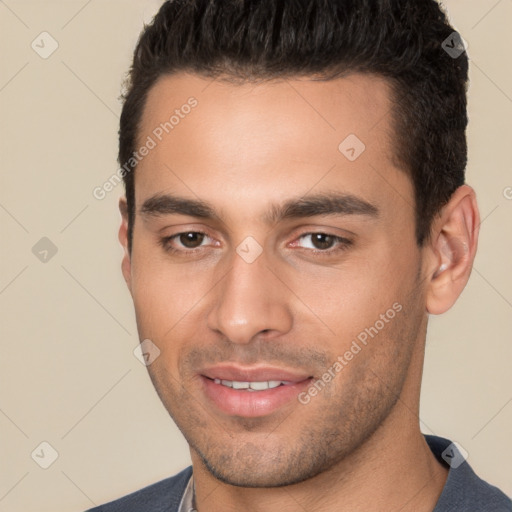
x,y
241,150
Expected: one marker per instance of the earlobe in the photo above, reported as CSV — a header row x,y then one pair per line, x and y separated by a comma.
x,y
452,249
123,239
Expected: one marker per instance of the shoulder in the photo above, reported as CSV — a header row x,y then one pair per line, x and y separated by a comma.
x,y
464,489
163,496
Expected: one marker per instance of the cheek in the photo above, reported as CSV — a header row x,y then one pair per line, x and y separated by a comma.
x,y
373,349
351,297
165,295
165,301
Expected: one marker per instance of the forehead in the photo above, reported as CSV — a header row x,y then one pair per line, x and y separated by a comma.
x,y
269,139
357,102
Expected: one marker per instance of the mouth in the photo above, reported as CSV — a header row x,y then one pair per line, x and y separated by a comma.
x,y
251,392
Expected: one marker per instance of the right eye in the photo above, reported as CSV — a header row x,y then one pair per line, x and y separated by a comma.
x,y
186,242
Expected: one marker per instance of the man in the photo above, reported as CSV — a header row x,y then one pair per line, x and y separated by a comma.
x,y
295,209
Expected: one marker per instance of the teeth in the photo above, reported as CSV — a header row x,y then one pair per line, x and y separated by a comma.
x,y
239,385
252,386
259,386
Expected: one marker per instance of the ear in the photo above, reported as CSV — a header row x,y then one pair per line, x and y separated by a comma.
x,y
452,249
126,265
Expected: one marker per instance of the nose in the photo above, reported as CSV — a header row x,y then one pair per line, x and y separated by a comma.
x,y
250,301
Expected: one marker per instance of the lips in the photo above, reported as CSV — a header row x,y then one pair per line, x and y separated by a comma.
x,y
251,392
254,374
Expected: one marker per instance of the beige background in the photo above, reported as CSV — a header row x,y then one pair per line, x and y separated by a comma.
x,y
68,373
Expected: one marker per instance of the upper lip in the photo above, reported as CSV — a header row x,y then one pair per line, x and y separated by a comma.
x,y
253,374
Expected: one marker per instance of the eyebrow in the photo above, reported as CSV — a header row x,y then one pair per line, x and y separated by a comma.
x,y
336,204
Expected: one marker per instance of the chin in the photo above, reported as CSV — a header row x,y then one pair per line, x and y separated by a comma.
x,y
256,469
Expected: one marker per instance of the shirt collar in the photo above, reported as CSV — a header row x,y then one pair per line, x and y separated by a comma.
x,y
187,501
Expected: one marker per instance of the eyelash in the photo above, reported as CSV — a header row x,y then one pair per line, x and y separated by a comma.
x,y
343,243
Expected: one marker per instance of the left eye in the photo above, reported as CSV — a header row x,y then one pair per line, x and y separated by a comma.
x,y
323,242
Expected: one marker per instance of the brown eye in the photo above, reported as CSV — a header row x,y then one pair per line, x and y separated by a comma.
x,y
187,242
322,241
191,240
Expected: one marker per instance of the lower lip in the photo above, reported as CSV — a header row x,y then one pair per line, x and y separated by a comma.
x,y
251,404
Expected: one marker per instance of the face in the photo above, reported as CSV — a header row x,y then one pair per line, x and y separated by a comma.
x,y
268,256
